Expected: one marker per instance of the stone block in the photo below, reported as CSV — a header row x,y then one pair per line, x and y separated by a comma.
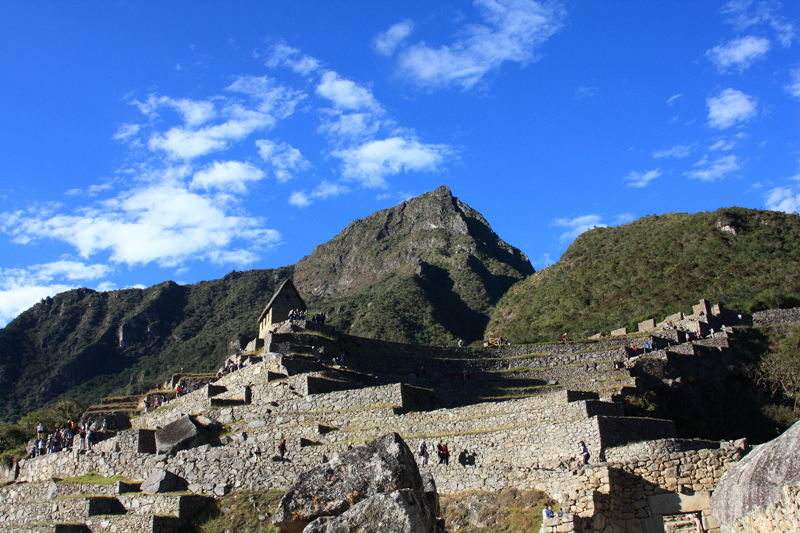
x,y
161,480
647,325
619,332
179,435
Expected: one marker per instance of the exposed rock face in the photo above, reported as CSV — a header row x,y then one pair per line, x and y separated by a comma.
x,y
758,479
179,435
381,466
401,511
431,494
161,480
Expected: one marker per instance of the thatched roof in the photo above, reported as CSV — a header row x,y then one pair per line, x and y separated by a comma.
x,y
287,285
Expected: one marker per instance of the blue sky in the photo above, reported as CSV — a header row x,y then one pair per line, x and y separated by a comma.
x,y
146,141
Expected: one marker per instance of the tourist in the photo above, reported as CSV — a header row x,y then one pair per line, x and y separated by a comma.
x,y
565,337
445,454
41,447
698,521
547,512
282,448
594,366
89,440
584,453
440,452
40,431
257,453
423,452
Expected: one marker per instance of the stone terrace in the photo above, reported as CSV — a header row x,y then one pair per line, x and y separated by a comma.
x,y
542,402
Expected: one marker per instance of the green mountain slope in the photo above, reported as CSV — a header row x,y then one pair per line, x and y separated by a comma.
x,y
612,277
428,270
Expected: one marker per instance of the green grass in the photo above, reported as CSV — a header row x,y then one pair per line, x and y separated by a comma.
x,y
93,478
238,511
507,511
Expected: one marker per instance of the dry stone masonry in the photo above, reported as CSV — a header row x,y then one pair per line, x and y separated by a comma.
x,y
511,416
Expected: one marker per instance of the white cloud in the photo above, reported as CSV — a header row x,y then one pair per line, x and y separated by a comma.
x,y
793,87
578,225
227,176
722,144
712,171
729,108
190,140
350,126
372,161
639,180
323,191
586,92
512,31
738,54
678,150
20,288
346,94
284,159
126,131
783,199
763,13
386,42
673,98
283,55
160,222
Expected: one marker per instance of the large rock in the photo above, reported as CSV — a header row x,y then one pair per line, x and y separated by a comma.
x,y
383,465
161,480
179,435
431,493
401,511
758,479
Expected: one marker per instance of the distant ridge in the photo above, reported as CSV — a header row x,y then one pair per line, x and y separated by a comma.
x,y
746,259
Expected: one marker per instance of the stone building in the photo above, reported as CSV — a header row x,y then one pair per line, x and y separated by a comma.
x,y
286,298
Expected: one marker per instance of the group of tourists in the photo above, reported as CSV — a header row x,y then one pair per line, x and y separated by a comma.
x,y
62,438
231,366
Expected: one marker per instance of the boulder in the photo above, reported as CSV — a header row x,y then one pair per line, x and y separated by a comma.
x,y
179,435
758,479
401,511
161,480
431,493
383,465
208,424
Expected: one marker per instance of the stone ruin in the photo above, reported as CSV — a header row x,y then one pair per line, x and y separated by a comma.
x,y
518,417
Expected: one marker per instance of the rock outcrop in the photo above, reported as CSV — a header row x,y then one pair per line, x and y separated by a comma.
x,y
179,435
381,467
401,511
161,480
757,481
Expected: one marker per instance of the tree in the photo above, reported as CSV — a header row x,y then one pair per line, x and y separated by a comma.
x,y
780,369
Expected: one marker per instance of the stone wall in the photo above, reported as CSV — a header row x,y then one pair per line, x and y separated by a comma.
x,y
776,316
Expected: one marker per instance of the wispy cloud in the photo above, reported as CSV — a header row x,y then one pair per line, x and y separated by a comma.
x,y
323,191
585,92
678,150
229,176
512,30
285,160
387,41
269,102
576,226
730,107
706,170
722,144
793,87
281,54
159,220
20,288
639,180
738,54
744,14
673,98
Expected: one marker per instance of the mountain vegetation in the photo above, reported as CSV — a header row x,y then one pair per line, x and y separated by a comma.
x,y
746,259
426,271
